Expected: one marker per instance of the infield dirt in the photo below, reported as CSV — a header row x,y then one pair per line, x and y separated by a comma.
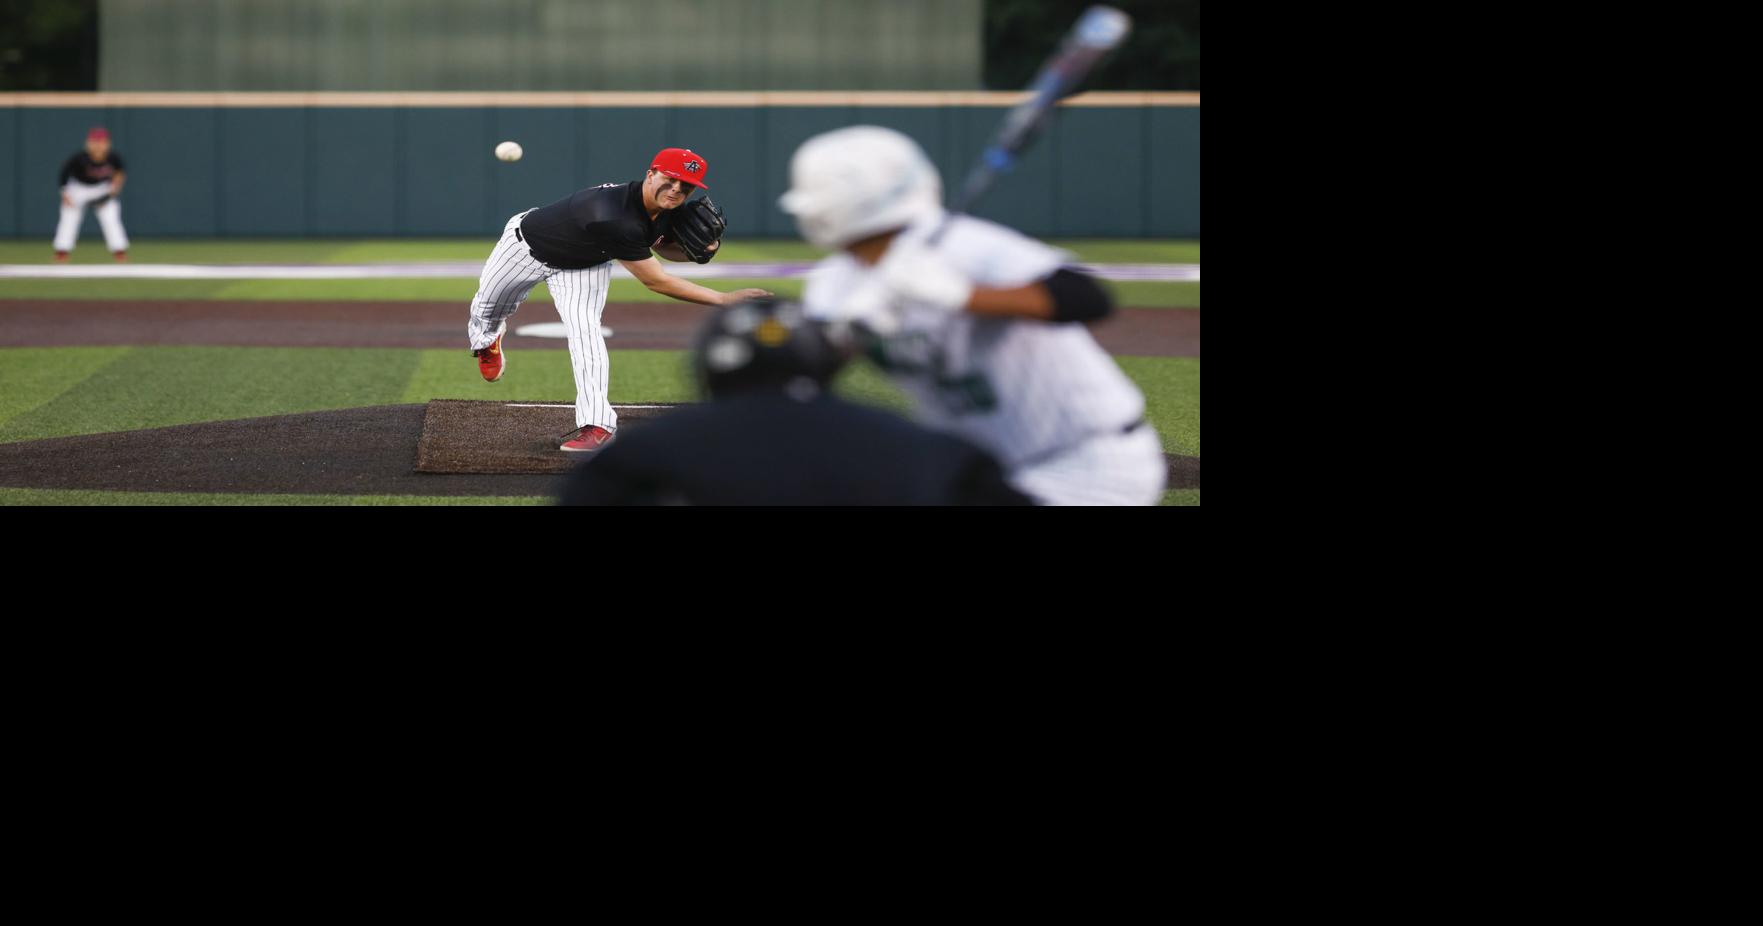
x,y
636,325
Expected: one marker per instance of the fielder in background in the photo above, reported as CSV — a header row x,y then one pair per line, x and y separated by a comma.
x,y
770,434
92,177
979,324
570,245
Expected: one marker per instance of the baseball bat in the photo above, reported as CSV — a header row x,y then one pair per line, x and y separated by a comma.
x,y
1098,31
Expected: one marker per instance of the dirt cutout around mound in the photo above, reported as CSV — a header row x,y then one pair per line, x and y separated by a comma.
x,y
460,436
445,448
357,451
473,436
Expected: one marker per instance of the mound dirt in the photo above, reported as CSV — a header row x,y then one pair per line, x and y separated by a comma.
x,y
356,451
460,436
445,448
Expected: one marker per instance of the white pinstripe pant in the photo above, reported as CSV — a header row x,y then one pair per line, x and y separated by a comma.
x,y
1109,469
67,231
509,275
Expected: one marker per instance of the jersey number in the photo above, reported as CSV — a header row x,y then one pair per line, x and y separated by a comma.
x,y
914,355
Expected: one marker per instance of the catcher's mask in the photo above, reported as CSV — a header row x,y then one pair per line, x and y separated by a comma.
x,y
760,345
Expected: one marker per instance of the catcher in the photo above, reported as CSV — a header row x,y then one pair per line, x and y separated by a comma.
x,y
571,244
771,433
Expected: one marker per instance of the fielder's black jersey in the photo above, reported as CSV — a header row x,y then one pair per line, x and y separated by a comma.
x,y
81,167
590,227
770,449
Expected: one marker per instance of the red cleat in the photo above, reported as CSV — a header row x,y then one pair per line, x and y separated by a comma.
x,y
491,361
590,439
122,256
61,257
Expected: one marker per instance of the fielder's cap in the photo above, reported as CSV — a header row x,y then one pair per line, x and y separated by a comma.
x,y
682,164
98,133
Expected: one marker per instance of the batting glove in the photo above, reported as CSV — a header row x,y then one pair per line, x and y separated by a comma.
x,y
871,307
917,274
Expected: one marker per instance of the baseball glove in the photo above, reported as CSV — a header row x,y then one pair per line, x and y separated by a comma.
x,y
696,226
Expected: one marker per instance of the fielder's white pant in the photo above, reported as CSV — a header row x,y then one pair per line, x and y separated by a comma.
x,y
109,216
1115,469
509,275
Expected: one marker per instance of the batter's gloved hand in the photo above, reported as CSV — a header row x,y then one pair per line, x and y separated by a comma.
x,y
696,227
870,308
917,274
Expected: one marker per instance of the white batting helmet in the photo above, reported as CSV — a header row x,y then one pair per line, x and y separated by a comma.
x,y
851,183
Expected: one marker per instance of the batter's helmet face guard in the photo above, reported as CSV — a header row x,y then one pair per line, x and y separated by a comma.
x,y
762,345
682,164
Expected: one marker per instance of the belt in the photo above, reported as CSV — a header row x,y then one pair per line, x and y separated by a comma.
x,y
529,248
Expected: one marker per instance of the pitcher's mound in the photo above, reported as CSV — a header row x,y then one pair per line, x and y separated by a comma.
x,y
521,438
461,436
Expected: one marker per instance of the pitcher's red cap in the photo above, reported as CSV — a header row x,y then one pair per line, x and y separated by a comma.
x,y
682,164
98,133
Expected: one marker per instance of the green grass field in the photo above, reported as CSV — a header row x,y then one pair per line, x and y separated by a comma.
x,y
58,392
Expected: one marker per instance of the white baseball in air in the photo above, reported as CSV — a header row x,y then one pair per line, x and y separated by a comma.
x,y
509,151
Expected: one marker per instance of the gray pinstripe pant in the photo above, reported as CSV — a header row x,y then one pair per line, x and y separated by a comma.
x,y
509,275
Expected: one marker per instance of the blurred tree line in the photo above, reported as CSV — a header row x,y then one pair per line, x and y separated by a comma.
x,y
48,45
53,44
1163,52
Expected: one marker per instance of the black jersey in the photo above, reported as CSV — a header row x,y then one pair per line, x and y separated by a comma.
x,y
81,167
590,227
770,449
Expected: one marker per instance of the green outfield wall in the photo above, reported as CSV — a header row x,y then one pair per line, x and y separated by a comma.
x,y
210,165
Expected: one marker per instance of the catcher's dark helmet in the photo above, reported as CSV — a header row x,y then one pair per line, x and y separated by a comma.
x,y
762,344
